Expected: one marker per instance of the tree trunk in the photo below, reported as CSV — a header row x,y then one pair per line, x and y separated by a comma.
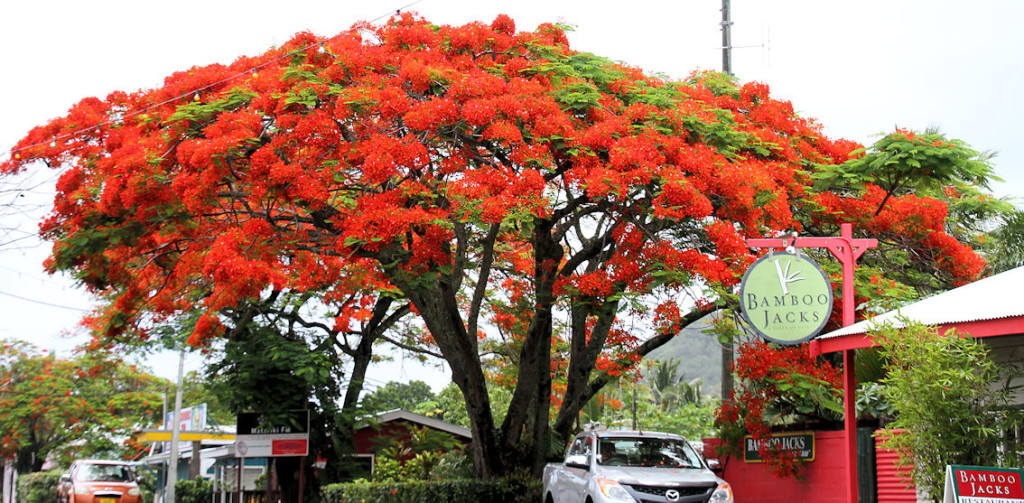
x,y
436,303
728,383
585,347
524,433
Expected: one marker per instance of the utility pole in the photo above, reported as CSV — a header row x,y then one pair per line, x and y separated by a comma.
x,y
172,467
726,39
728,353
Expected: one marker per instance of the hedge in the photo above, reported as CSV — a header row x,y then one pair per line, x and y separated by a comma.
x,y
193,491
424,491
38,487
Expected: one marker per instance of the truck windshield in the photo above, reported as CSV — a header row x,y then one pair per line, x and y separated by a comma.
x,y
647,452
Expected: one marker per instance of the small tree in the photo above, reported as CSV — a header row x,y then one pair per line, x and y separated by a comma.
x,y
951,402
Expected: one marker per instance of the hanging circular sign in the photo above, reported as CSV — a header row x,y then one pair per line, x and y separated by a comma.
x,y
786,298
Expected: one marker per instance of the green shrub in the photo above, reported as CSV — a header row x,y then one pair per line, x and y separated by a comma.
x,y
449,491
38,487
193,491
952,402
453,465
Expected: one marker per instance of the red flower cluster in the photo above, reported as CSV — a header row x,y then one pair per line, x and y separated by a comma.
x,y
759,401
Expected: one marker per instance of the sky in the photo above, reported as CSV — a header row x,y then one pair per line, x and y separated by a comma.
x,y
860,68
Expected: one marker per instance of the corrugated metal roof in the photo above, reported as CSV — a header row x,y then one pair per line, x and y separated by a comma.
x,y
991,298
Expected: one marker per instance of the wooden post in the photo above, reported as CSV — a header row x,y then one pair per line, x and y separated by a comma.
x,y
302,477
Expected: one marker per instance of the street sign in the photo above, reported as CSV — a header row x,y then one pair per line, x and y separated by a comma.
x,y
261,436
786,298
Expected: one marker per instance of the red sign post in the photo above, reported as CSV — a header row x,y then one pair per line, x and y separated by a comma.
x,y
847,250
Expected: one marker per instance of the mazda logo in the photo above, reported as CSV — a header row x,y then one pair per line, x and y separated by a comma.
x,y
672,495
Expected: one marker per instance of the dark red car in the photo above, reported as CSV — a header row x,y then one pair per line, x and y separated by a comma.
x,y
99,481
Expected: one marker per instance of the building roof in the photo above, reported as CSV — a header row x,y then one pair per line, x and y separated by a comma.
x,y
412,417
988,307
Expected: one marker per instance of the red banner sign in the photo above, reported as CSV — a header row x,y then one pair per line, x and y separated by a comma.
x,y
291,447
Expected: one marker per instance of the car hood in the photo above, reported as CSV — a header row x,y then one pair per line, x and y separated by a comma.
x,y
659,476
110,485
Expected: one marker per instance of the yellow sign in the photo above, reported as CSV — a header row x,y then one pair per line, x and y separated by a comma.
x,y
185,436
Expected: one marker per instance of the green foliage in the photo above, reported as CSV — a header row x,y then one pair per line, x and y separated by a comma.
x,y
871,402
423,466
410,396
147,478
667,387
950,404
904,161
38,487
450,491
1006,243
453,465
198,490
272,372
692,419
453,406
387,469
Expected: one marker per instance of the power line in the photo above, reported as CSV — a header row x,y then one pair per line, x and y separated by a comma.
x,y
397,11
43,303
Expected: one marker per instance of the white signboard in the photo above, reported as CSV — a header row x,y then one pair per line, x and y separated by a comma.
x,y
192,418
257,437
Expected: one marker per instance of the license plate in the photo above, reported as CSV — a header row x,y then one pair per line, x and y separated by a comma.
x,y
106,500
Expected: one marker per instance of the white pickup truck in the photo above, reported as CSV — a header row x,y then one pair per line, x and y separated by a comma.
x,y
606,466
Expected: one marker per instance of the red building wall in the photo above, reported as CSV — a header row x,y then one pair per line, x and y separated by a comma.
x,y
893,483
824,478
369,439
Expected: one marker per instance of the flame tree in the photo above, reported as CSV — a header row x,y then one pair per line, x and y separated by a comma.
x,y
59,409
493,181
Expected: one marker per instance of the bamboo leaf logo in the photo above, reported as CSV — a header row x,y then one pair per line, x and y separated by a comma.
x,y
785,277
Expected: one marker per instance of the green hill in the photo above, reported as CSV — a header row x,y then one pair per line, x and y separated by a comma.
x,y
699,354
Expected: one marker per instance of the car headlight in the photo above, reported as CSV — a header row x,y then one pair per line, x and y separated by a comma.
x,y
81,490
134,491
613,490
722,494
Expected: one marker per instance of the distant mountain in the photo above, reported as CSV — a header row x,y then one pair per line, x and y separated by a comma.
x,y
699,354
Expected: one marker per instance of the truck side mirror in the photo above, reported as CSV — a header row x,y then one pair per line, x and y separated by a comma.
x,y
65,477
577,461
715,465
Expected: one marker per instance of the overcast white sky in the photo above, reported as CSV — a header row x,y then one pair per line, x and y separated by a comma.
x,y
861,68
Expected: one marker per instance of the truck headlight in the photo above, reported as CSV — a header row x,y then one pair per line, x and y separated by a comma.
x,y
613,490
81,490
722,494
134,491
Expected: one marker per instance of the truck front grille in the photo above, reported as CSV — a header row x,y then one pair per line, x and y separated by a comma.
x,y
657,494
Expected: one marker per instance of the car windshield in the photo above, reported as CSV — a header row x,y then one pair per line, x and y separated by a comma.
x,y
647,452
92,471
